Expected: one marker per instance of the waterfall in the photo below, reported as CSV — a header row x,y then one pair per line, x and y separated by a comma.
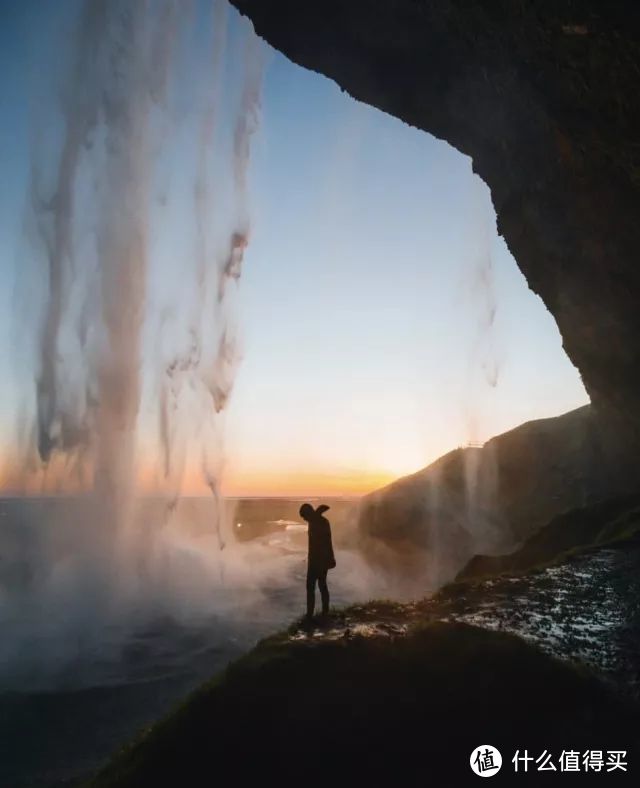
x,y
138,223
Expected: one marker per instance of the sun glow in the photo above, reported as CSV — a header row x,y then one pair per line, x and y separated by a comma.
x,y
299,483
60,478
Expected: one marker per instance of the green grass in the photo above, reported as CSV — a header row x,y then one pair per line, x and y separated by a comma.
x,y
417,704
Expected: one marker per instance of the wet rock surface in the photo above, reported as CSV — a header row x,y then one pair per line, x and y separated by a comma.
x,y
586,610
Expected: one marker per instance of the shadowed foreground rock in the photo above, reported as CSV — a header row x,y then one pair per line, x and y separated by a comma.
x,y
370,709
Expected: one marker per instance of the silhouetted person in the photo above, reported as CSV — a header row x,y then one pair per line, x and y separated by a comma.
x,y
320,558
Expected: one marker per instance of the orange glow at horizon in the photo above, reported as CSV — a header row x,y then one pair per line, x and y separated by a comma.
x,y
254,482
275,482
300,483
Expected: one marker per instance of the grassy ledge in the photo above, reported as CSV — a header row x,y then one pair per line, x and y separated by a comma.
x,y
367,708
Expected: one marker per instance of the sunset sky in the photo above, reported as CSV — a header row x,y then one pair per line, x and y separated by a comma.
x,y
366,303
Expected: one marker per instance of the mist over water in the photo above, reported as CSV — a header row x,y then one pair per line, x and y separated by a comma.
x,y
138,220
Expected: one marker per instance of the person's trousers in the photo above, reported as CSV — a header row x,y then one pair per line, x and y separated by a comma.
x,y
320,577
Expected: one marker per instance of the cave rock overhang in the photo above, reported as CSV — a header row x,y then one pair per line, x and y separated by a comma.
x,y
543,96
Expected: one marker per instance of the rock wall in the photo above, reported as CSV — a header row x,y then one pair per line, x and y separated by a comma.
x,y
544,96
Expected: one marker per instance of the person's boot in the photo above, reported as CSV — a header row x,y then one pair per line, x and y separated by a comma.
x,y
324,618
308,619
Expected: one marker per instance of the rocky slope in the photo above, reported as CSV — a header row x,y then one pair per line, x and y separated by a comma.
x,y
490,499
605,522
543,95
403,703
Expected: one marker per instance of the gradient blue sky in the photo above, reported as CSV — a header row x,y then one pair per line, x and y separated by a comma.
x,y
371,273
